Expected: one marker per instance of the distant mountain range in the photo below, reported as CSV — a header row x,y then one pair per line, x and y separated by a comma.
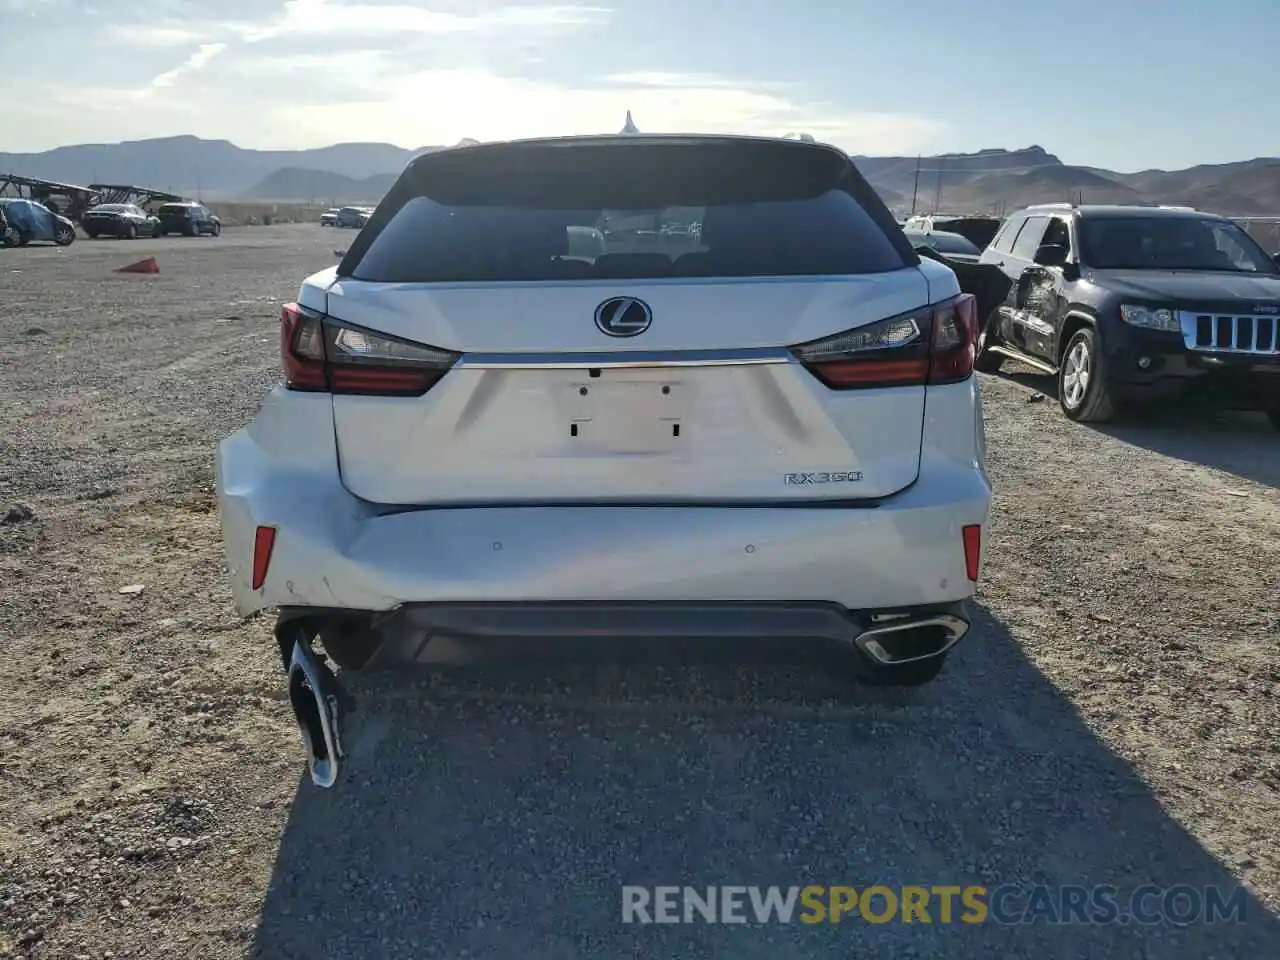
x,y
989,181
215,169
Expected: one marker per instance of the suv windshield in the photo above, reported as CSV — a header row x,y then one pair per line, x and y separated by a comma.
x,y
1171,243
591,213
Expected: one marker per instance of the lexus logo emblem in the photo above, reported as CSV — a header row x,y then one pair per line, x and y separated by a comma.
x,y
623,317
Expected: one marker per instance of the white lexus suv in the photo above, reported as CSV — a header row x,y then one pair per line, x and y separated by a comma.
x,y
765,427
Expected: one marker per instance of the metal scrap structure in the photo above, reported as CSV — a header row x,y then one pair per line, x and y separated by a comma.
x,y
67,199
127,193
72,200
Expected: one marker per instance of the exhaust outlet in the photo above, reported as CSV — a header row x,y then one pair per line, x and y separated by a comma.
x,y
313,692
909,639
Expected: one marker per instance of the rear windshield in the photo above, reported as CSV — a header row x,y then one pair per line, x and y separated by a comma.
x,y
178,208
944,242
669,213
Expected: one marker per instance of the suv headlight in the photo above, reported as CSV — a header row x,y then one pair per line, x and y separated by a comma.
x,y
1153,318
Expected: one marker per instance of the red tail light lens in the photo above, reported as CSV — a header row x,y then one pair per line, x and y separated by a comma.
x,y
264,541
931,345
955,338
971,535
302,349
323,354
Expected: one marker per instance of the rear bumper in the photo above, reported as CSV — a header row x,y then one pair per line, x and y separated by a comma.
x,y
334,551
884,637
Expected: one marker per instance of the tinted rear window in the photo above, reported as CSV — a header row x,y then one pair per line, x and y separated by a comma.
x,y
175,209
582,214
944,242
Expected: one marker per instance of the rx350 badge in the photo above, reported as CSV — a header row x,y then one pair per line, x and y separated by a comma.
x,y
801,479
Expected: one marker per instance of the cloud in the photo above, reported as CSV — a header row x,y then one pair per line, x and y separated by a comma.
x,y
478,103
642,78
152,35
26,6
326,18
203,55
291,74
362,95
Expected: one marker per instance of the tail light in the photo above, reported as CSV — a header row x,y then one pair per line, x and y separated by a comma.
x,y
321,354
971,536
264,540
934,344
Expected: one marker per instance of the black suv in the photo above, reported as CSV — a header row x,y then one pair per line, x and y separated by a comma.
x,y
1130,303
188,218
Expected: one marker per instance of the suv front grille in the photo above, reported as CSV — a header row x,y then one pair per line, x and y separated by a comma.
x,y
1230,333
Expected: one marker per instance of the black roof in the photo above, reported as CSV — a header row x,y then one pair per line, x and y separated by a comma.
x,y
618,139
953,216
947,234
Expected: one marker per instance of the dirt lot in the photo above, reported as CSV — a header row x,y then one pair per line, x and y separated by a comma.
x,y
1113,721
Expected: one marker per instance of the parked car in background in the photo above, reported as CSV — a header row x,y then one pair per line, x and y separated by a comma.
x,y
354,217
31,222
951,245
123,220
1132,304
329,218
977,230
189,218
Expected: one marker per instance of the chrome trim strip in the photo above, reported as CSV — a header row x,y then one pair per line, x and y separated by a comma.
x,y
624,359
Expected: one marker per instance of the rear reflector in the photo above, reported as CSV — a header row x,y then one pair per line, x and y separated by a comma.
x,y
972,535
320,354
934,344
264,540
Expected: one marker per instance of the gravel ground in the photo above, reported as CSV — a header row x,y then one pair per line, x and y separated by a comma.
x,y
1112,721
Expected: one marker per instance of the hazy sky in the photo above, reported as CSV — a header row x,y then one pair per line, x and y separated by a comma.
x,y
1124,84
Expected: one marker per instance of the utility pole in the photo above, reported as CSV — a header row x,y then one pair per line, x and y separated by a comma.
x,y
916,189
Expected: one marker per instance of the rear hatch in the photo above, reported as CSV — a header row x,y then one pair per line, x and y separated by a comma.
x,y
174,213
656,371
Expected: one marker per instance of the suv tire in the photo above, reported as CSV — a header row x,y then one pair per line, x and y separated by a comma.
x,y
1082,380
984,359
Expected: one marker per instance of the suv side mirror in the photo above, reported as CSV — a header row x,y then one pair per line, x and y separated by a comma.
x,y
1051,255
1276,258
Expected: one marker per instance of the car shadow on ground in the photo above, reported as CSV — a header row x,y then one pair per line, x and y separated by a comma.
x,y
500,815
1243,444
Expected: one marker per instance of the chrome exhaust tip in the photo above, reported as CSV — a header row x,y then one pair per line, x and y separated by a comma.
x,y
908,639
313,693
